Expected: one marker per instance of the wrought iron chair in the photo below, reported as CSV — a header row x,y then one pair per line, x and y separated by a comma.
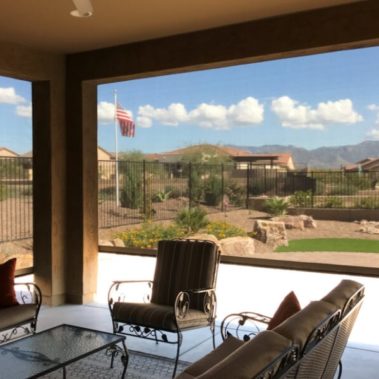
x,y
22,317
182,295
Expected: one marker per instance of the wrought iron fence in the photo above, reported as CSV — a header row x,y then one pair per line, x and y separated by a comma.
x,y
16,200
157,191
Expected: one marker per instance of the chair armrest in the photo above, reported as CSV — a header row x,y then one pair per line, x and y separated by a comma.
x,y
28,293
183,302
243,325
116,294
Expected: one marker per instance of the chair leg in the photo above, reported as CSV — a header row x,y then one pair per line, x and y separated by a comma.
x,y
180,339
339,369
213,327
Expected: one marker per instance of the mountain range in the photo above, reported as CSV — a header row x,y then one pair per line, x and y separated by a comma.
x,y
322,157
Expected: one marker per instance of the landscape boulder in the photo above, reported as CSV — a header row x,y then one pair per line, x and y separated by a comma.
x,y
238,246
273,233
370,227
105,243
309,222
205,237
118,242
290,222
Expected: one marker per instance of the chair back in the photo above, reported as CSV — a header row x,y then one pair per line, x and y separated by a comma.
x,y
184,265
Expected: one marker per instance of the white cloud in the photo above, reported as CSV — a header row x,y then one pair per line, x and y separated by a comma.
x,y
24,110
105,111
213,116
173,115
9,96
292,114
373,107
374,134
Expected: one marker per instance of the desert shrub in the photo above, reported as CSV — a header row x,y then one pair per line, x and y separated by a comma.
x,y
236,193
222,229
148,235
367,203
131,194
333,202
343,189
195,186
161,196
27,191
107,193
301,199
3,193
175,192
276,206
213,190
192,219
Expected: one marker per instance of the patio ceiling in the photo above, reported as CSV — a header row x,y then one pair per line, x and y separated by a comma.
x,y
46,25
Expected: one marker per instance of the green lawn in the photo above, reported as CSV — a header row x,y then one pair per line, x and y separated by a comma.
x,y
331,244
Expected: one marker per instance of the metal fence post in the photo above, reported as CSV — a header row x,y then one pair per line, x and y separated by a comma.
x,y
144,186
222,187
189,185
247,185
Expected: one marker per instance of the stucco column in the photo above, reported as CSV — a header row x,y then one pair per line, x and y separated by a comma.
x,y
82,232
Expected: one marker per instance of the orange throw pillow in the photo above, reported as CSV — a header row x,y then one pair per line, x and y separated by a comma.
x,y
289,306
7,292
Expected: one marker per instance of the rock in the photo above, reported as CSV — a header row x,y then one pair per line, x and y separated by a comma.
x,y
290,222
309,222
204,237
105,243
238,246
370,227
118,242
270,232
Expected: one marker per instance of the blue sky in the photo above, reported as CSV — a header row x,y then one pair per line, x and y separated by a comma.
x,y
320,100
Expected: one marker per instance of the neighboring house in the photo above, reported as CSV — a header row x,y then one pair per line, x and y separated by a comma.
x,y
5,152
243,158
367,164
107,170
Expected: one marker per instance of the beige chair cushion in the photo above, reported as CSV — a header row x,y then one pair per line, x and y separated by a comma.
x,y
250,358
298,327
342,293
16,315
156,316
215,356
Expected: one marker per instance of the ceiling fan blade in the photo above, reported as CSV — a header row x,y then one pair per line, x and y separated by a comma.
x,y
84,7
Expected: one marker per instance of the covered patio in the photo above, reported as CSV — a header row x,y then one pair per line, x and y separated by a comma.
x,y
66,58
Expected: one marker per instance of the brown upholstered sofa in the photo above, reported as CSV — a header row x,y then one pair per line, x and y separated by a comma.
x,y
23,316
307,345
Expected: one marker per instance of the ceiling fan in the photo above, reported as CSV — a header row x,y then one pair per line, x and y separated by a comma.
x,y
83,8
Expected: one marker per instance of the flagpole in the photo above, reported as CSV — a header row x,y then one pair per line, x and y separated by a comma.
x,y
116,149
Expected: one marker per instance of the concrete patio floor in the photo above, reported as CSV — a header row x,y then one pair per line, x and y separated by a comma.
x,y
239,288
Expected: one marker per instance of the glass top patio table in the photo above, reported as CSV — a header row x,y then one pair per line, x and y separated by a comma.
x,y
49,350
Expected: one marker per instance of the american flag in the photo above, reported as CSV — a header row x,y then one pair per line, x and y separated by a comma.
x,y
127,125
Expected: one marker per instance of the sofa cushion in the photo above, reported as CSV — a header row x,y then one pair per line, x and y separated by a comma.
x,y
342,293
250,358
7,292
298,327
16,315
215,356
289,306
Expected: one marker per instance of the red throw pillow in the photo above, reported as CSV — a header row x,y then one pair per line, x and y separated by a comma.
x,y
7,292
289,306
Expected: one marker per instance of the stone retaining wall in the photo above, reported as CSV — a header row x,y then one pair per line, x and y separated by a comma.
x,y
337,214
